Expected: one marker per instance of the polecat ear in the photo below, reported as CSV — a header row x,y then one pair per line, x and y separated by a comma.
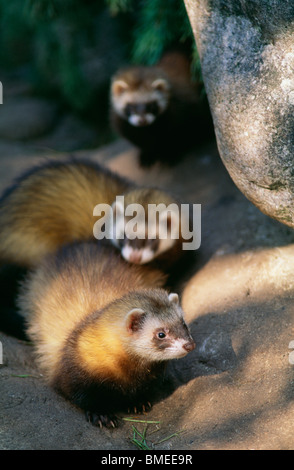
x,y
173,297
134,320
160,84
118,87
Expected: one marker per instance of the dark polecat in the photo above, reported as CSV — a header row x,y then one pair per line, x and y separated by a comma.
x,y
102,329
159,109
53,205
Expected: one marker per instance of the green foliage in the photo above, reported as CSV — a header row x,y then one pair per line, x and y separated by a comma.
x,y
14,28
117,6
159,25
58,45
50,36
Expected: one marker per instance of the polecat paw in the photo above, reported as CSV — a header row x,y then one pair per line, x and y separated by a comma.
x,y
140,408
108,421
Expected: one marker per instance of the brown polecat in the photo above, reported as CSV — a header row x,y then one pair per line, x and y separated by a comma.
x,y
102,329
150,243
159,109
53,205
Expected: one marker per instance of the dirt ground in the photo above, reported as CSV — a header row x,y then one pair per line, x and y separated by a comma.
x,y
236,389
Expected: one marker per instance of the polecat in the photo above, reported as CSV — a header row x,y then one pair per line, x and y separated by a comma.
x,y
102,329
53,205
159,109
150,241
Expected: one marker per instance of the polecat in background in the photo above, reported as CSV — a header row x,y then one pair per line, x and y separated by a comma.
x,y
103,329
52,205
159,109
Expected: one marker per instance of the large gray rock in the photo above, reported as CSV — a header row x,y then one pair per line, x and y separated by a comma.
x,y
246,49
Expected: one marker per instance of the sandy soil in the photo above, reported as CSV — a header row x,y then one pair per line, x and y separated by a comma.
x,y
235,390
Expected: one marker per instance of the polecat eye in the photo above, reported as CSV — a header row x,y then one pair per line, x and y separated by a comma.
x,y
161,335
128,110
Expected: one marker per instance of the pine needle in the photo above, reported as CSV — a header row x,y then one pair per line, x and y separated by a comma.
x,y
141,444
24,376
135,420
169,437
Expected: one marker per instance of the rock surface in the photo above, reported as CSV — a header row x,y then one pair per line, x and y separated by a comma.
x,y
247,59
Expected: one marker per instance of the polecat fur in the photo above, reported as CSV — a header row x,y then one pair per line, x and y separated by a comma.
x,y
159,109
102,328
52,205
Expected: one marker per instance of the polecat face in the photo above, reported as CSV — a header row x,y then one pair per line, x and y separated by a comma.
x,y
159,332
142,241
139,95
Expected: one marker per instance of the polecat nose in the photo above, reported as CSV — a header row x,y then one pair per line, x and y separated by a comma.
x,y
142,121
189,346
135,258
